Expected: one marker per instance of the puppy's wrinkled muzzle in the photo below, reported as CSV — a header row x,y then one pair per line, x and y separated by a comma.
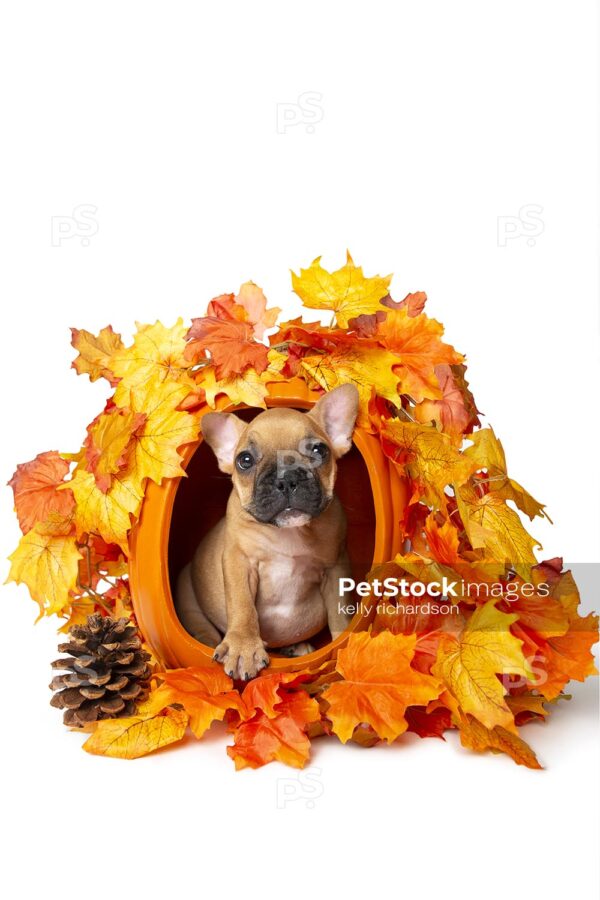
x,y
287,496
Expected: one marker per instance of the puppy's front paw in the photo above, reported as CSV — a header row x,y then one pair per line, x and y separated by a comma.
x,y
242,657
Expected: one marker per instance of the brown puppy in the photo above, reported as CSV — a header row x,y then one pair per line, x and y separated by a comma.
x,y
267,575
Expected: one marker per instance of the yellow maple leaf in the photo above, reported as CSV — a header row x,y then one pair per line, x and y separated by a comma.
x,y
157,351
95,352
133,736
430,458
347,290
367,368
105,513
416,340
154,452
48,565
249,389
488,452
109,437
469,665
494,527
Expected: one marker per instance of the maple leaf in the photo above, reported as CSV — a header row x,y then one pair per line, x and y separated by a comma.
x,y
205,692
230,343
48,565
155,445
428,456
413,303
252,299
428,723
368,368
346,291
95,353
34,485
492,526
249,389
469,665
133,736
476,736
157,353
451,412
487,451
416,340
105,513
279,719
379,684
566,657
108,439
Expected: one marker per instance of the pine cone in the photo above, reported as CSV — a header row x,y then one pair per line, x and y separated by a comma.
x,y
107,671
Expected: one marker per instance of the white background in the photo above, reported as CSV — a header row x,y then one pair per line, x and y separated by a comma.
x,y
434,120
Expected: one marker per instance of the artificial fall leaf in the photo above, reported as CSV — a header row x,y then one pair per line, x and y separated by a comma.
x,y
267,692
107,514
413,303
282,736
527,705
476,736
450,413
567,657
95,353
134,736
428,456
248,389
416,340
34,487
378,685
496,529
78,611
205,692
252,299
231,345
155,449
470,663
487,451
157,353
428,723
108,440
346,291
48,565
368,368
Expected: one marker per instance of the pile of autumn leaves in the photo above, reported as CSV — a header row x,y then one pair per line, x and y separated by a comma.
x,y
485,669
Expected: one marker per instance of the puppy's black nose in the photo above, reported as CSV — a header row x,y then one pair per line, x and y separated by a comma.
x,y
290,479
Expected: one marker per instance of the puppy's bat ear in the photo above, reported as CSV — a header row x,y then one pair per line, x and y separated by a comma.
x,y
336,413
222,432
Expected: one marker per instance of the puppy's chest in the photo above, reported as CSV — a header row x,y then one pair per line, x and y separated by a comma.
x,y
287,580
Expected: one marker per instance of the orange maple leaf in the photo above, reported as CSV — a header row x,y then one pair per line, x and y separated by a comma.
x,y
379,684
230,343
35,491
417,341
205,692
274,722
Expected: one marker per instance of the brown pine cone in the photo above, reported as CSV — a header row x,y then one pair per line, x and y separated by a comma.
x,y
107,671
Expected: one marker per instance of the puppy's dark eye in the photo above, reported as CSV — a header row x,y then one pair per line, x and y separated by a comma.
x,y
244,461
319,452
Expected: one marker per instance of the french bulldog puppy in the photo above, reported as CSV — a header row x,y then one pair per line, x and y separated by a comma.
x,y
267,575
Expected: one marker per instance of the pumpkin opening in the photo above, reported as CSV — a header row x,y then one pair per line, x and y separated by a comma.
x,y
201,500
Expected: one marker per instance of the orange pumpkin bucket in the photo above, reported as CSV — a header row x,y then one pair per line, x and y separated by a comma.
x,y
176,514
